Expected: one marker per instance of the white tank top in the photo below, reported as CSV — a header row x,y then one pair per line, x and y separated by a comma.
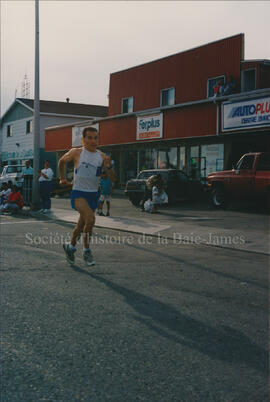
x,y
87,174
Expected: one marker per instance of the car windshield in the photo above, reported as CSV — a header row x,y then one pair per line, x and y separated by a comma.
x,y
146,175
14,169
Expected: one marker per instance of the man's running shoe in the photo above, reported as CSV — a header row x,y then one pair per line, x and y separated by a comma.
x,y
108,214
88,258
40,211
69,253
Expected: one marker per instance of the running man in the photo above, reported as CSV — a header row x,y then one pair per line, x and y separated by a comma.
x,y
88,164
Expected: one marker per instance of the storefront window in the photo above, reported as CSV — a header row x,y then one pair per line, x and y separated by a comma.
x,y
214,158
182,162
129,165
167,158
194,162
148,159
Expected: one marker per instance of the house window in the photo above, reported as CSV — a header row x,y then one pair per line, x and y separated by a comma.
x,y
9,130
167,97
248,80
127,105
212,82
29,126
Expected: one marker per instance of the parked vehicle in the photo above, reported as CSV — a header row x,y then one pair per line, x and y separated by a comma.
x,y
250,179
178,185
12,173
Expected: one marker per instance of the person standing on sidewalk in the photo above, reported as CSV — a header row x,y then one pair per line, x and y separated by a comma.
x,y
45,187
88,164
105,185
27,170
27,176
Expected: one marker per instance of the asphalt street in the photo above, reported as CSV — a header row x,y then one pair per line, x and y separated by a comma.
x,y
152,321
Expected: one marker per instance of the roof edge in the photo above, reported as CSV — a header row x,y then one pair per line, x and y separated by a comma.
x,y
11,106
184,51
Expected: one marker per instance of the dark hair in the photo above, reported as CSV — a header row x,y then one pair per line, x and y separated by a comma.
x,y
92,129
46,161
14,187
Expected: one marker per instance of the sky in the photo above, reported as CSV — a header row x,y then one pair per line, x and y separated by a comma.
x,y
82,42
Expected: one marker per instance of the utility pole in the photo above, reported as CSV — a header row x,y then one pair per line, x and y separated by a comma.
x,y
35,192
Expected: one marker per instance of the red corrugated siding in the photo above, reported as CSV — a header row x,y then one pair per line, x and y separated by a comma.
x,y
194,121
117,131
188,72
58,139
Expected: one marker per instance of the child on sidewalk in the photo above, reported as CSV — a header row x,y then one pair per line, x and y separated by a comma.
x,y
105,194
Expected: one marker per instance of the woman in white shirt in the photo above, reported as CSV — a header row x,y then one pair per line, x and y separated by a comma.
x,y
45,187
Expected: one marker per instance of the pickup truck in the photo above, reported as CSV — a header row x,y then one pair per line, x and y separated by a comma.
x,y
250,179
12,173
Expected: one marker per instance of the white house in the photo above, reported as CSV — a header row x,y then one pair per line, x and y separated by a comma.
x,y
16,135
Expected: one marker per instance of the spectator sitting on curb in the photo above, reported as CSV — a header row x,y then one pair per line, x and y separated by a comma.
x,y
14,201
105,193
153,181
5,191
159,197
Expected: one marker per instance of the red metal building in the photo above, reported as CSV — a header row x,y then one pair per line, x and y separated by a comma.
x,y
164,113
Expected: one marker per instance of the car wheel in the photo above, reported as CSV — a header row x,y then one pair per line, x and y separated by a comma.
x,y
135,199
219,198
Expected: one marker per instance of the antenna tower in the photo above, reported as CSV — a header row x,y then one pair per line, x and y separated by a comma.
x,y
25,91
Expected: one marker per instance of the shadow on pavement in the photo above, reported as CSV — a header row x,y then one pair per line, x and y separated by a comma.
x,y
225,343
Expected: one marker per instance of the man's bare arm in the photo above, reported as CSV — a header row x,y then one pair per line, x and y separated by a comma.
x,y
70,156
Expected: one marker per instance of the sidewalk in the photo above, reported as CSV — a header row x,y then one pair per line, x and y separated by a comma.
x,y
225,229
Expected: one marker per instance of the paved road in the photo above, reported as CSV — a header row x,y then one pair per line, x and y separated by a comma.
x,y
150,322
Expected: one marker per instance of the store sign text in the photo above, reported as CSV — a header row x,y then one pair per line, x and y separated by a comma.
x,y
249,114
149,126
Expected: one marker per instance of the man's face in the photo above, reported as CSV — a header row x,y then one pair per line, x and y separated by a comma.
x,y
46,165
91,140
27,164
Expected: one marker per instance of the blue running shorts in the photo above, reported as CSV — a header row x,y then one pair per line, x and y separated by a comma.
x,y
90,197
